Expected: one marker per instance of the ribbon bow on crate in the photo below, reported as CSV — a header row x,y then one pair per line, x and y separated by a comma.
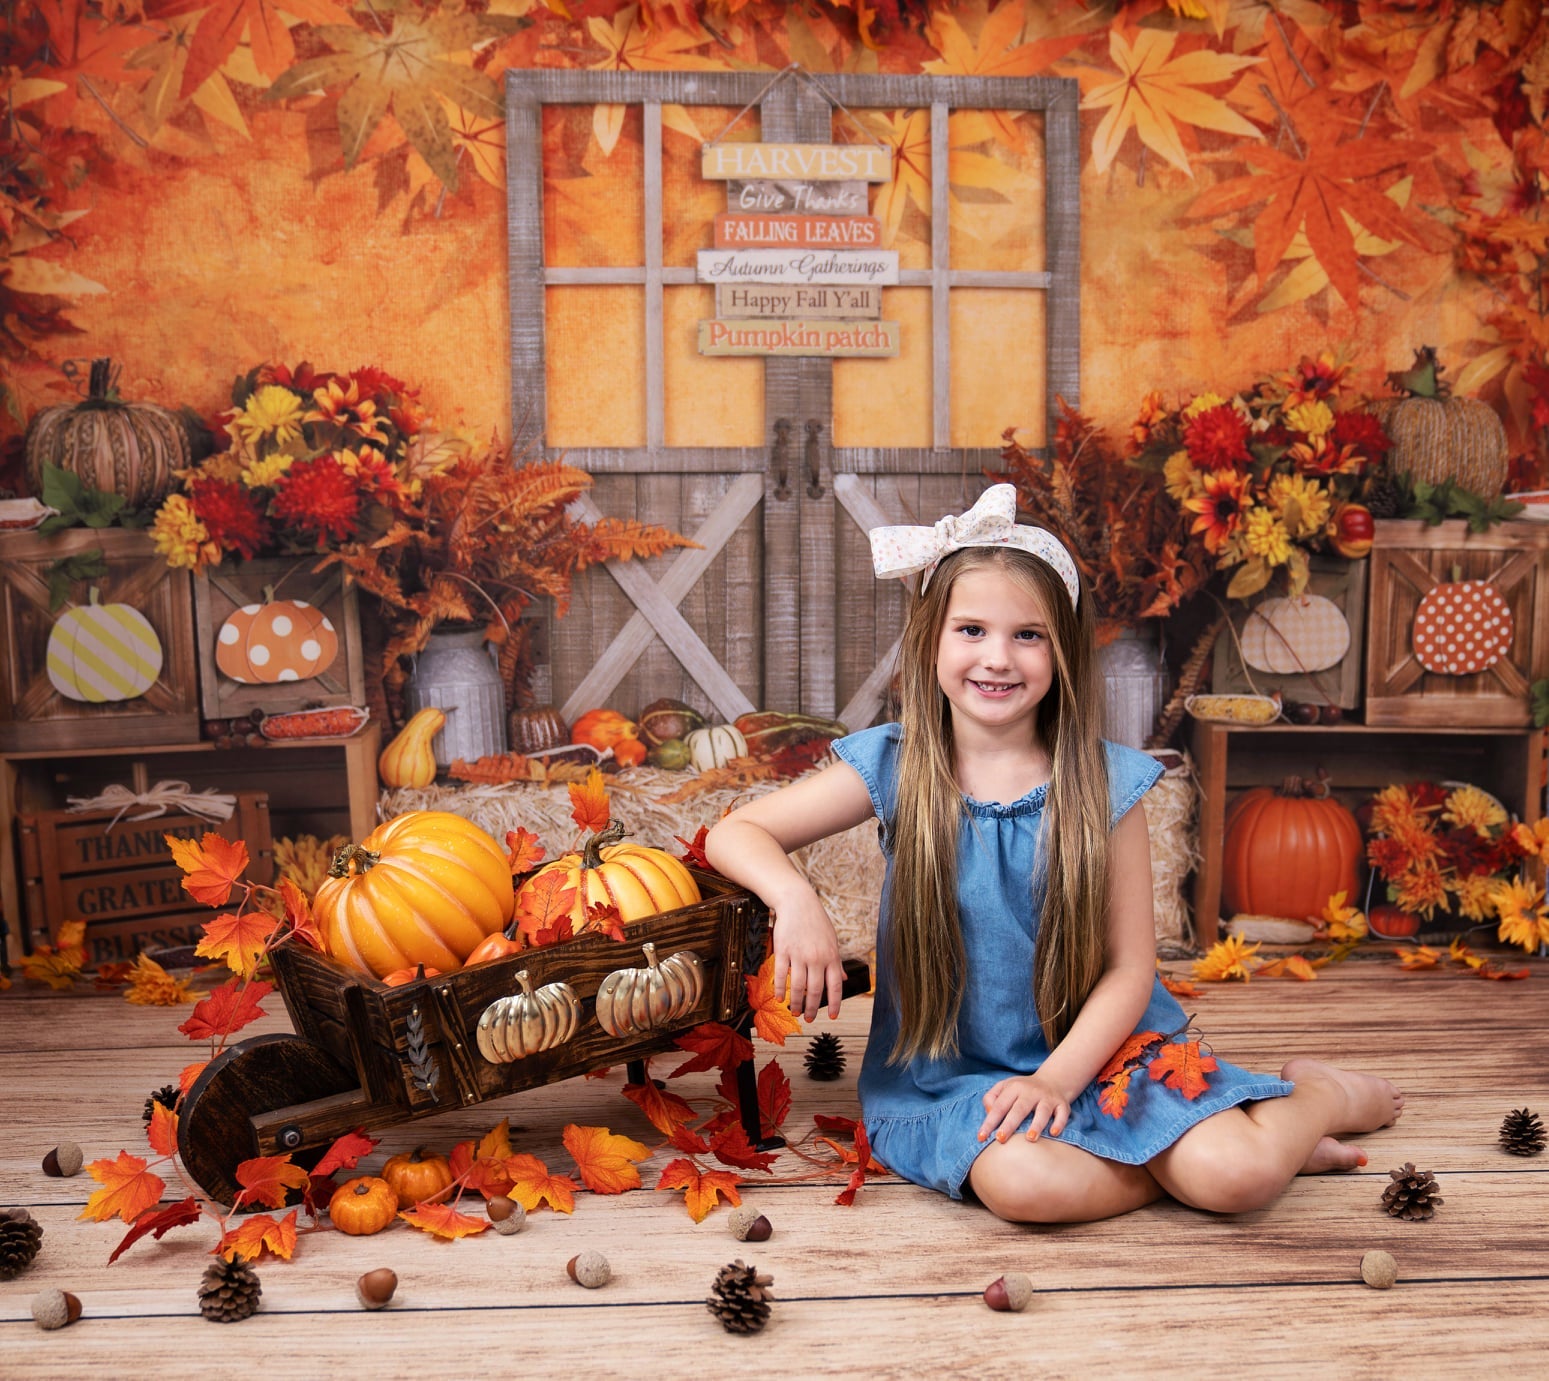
x,y
165,796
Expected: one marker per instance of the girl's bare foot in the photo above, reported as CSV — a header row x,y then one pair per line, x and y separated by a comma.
x,y
1368,1102
1329,1154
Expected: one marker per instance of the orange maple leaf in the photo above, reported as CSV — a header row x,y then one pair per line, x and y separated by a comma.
x,y
532,1184
212,866
665,1109
345,1153
1132,1049
266,1179
772,1016
187,1075
864,1165
1113,1097
1420,957
544,903
1183,1066
590,801
605,1159
240,938
702,1188
298,914
442,1220
715,1045
1178,987
1490,970
604,918
227,1009
732,1147
224,22
1288,966
128,1189
258,1234
523,851
161,1131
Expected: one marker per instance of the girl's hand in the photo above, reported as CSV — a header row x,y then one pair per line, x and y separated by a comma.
x,y
1009,1101
806,951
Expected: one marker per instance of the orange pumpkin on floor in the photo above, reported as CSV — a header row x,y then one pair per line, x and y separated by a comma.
x,y
638,880
419,1177
363,1206
1288,850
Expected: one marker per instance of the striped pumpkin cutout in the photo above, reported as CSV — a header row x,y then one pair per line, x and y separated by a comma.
x,y
103,652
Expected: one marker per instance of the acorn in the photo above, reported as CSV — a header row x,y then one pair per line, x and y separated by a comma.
x,y
1009,1294
63,1161
747,1224
507,1215
590,1269
1379,1269
55,1309
1330,714
375,1289
1303,712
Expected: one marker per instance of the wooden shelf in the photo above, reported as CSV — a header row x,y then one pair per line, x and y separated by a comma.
x,y
1360,759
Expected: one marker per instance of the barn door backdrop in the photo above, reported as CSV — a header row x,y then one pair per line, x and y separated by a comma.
x,y
776,465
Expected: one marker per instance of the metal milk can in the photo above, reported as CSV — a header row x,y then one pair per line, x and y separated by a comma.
x,y
459,674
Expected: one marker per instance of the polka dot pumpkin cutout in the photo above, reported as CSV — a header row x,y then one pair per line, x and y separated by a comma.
x,y
1462,627
288,640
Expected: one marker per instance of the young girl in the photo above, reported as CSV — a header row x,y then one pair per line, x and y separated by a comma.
x,y
1015,945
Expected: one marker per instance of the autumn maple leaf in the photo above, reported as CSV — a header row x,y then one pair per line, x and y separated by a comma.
x,y
631,45
543,904
694,850
258,1234
1113,1095
1288,966
224,22
158,1221
606,1161
1130,1052
442,1220
266,1180
532,1184
589,799
227,1009
239,937
865,1164
664,1108
772,1016
1156,92
702,1189
345,1153
1183,1066
730,1146
298,915
523,851
128,1189
774,1097
211,867
161,1130
604,918
81,48
714,1045
188,1074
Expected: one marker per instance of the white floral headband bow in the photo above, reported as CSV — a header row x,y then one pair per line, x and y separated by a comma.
x,y
991,522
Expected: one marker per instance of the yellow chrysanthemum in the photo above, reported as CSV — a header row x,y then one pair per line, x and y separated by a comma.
x,y
1524,919
150,985
1264,534
1312,418
1420,890
272,411
1343,922
1302,503
1226,959
1475,897
1533,839
1183,480
225,466
180,537
1469,808
265,473
1394,811
1202,403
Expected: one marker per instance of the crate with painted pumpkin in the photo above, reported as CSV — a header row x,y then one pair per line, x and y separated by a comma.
x,y
97,631
275,634
1458,623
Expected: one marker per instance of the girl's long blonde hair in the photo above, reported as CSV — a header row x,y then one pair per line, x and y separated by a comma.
x,y
925,943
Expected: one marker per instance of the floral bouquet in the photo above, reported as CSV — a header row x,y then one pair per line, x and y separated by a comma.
x,y
312,461
1265,474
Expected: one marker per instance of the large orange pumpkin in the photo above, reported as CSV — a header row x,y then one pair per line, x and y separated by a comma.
x,y
424,888
1288,849
638,880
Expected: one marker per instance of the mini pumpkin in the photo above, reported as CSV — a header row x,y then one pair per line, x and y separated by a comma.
x,y
514,1027
1438,436
637,880
661,994
531,731
103,652
629,752
715,746
418,1177
283,640
602,728
362,1206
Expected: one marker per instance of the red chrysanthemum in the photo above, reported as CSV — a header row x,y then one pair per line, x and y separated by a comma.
x,y
230,515
318,498
1361,434
303,378
373,381
1217,438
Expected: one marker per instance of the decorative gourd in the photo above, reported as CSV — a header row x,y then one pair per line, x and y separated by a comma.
x,y
418,1177
629,752
715,746
424,888
408,759
409,974
1462,627
630,1001
1287,636
602,728
102,652
668,719
514,1027
531,731
281,640
671,755
1437,436
1352,530
638,880
131,449
1288,850
497,946
363,1206
768,731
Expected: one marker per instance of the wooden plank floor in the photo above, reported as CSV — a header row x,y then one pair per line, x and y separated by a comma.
x,y
889,1287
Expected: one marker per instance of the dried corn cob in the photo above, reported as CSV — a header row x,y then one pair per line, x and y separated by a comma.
x,y
1235,709
338,721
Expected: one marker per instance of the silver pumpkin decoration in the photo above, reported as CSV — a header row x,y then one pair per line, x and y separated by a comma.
x,y
527,1022
664,992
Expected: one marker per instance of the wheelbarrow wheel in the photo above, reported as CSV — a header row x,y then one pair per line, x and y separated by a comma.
x,y
260,1075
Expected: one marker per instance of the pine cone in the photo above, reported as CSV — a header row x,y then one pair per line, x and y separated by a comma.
x,y
1522,1133
825,1057
20,1238
229,1291
1383,499
166,1095
1412,1194
740,1298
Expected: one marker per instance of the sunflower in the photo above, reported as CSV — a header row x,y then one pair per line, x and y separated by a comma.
x,y
1219,505
1524,919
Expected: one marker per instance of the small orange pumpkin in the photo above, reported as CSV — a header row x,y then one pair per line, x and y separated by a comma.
x,y
603,729
629,752
398,977
419,1177
496,946
1392,922
640,881
363,1206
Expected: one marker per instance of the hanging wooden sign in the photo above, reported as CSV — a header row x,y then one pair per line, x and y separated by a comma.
x,y
797,232
810,162
773,197
853,339
782,299
831,266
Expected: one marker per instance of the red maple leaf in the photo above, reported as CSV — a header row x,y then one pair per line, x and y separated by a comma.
x,y
158,1220
864,1165
606,919
714,1045
544,904
345,1153
298,915
1183,1066
684,1138
774,1097
827,1122
227,1009
666,1110
731,1147
694,850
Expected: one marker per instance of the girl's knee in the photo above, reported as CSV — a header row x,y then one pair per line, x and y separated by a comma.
x,y
1025,1198
1219,1174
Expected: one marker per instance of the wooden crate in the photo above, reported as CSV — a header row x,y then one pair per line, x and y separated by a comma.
x,y
1407,560
33,714
221,591
120,878
1338,580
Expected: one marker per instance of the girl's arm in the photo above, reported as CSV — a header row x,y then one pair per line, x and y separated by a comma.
x,y
751,847
1108,1016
